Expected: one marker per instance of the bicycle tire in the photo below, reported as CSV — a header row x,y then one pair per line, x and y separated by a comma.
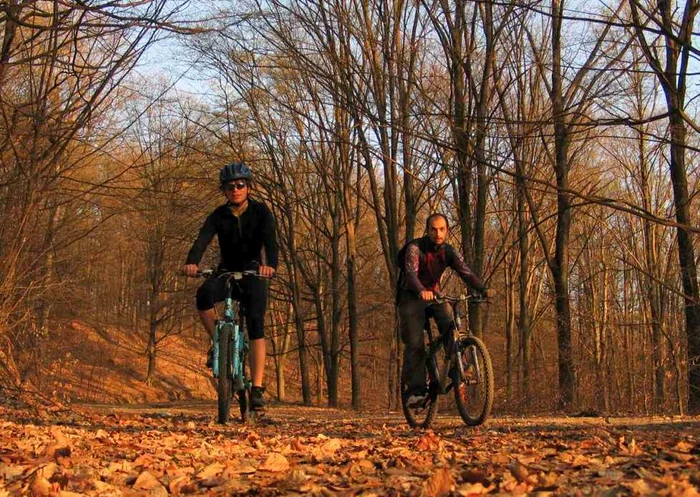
x,y
422,416
474,391
244,393
244,403
225,385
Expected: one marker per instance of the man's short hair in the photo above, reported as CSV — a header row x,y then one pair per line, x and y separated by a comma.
x,y
433,216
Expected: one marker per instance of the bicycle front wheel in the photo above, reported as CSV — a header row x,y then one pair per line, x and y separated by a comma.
x,y
474,390
225,389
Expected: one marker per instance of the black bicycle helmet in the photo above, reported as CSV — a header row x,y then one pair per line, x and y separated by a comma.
x,y
234,171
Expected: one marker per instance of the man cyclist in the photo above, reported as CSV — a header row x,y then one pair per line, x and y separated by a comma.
x,y
247,240
421,263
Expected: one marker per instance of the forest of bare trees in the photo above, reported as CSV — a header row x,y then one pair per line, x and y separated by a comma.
x,y
559,138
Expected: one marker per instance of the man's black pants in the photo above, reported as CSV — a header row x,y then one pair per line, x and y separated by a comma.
x,y
412,319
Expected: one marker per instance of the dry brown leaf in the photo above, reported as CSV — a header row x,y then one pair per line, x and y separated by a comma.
x,y
177,471
327,449
210,471
101,435
684,446
362,454
275,463
61,439
428,442
297,445
146,481
177,484
475,476
548,479
469,489
215,481
46,471
57,451
105,488
40,486
678,456
519,470
580,460
142,460
367,466
639,486
629,448
440,483
245,468
10,472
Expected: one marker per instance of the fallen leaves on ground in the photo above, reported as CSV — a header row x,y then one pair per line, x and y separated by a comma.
x,y
170,450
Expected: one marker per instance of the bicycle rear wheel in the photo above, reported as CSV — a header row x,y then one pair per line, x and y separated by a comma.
x,y
474,391
419,416
243,394
225,386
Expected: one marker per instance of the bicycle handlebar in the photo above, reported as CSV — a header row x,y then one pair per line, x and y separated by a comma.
x,y
236,275
477,299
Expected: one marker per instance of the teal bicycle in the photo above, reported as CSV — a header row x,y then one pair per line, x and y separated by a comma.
x,y
230,350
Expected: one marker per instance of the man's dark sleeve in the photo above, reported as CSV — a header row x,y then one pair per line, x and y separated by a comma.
x,y
270,238
456,262
202,242
411,268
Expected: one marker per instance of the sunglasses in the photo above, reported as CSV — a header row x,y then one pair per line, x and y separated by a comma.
x,y
239,185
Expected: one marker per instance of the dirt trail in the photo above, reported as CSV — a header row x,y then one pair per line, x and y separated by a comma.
x,y
176,448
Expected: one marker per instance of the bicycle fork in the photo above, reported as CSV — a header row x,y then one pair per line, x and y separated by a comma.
x,y
215,352
472,361
232,347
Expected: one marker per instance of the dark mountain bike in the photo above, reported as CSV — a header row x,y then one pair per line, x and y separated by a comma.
x,y
457,361
230,350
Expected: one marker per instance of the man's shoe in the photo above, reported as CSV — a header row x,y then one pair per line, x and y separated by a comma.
x,y
416,399
257,402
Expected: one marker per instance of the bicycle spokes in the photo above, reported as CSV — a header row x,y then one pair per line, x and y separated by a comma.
x,y
474,392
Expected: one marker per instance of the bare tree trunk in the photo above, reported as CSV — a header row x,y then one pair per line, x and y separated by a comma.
x,y
151,352
672,74
524,321
293,262
336,314
560,267
509,304
280,345
352,318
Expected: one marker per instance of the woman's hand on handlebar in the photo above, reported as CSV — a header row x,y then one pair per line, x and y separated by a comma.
x,y
190,270
266,271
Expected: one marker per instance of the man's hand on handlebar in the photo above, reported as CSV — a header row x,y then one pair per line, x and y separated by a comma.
x,y
190,270
427,295
266,271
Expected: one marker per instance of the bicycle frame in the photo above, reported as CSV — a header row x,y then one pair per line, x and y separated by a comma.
x,y
450,344
238,348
